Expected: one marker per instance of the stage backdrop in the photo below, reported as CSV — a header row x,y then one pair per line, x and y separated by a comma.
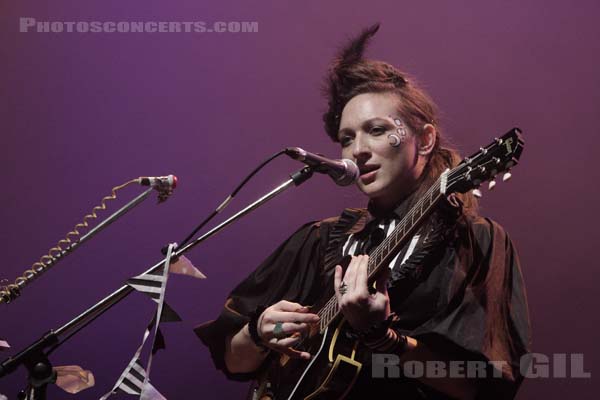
x,y
83,112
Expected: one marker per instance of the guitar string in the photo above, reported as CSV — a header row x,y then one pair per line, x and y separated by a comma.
x,y
330,308
453,176
332,303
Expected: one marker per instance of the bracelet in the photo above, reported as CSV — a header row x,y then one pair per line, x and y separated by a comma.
x,y
253,327
391,342
382,337
375,331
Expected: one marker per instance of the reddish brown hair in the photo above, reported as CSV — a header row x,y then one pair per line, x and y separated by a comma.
x,y
350,75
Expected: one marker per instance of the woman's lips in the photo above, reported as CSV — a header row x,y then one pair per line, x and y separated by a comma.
x,y
368,177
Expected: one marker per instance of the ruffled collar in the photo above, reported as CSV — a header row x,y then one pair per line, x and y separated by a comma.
x,y
351,221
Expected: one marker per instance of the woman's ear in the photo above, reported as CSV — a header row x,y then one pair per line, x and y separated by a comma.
x,y
427,139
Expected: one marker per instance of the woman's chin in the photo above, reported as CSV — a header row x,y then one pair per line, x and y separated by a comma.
x,y
372,191
368,190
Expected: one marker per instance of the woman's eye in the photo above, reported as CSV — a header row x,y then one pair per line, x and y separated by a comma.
x,y
345,141
377,130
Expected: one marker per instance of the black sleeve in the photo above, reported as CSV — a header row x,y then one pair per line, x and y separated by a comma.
x,y
483,313
291,272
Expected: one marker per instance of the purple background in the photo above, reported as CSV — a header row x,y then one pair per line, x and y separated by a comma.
x,y
81,113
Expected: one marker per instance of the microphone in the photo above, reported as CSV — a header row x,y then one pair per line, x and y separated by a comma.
x,y
156,181
164,185
344,172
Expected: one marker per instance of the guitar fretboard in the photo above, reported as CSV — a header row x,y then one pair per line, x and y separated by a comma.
x,y
390,246
499,156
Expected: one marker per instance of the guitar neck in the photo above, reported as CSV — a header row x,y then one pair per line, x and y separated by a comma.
x,y
497,157
392,244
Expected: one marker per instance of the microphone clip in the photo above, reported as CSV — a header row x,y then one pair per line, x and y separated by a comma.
x,y
164,185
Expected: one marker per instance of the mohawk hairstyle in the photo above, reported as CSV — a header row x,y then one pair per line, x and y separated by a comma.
x,y
353,51
350,74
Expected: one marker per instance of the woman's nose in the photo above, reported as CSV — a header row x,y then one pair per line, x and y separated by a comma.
x,y
361,148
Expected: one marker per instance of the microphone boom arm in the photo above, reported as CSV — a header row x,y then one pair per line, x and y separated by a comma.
x,y
34,357
12,292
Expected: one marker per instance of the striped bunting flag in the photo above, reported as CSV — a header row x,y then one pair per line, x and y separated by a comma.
x,y
135,378
132,381
150,283
134,373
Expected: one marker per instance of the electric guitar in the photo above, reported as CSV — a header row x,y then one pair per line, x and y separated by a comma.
x,y
336,358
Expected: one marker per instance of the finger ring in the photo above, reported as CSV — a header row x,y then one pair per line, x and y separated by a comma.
x,y
278,331
343,288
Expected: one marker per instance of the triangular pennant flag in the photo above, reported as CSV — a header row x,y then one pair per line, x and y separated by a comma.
x,y
184,266
159,342
149,283
160,308
168,314
133,379
134,371
150,393
152,285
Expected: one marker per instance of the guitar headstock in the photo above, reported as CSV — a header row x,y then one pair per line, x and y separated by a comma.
x,y
496,158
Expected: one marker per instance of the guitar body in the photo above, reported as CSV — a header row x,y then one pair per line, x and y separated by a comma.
x,y
329,374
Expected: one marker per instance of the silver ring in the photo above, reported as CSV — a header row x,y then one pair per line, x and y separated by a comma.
x,y
343,288
278,331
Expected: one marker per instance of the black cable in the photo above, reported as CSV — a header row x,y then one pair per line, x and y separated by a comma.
x,y
228,199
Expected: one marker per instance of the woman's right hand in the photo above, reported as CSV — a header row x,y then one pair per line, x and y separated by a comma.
x,y
283,324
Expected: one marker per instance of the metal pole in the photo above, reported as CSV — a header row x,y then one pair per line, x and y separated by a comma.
x,y
52,338
112,218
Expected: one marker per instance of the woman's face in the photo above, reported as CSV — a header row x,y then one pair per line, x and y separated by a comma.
x,y
387,174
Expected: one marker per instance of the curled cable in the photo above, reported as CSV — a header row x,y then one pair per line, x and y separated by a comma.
x,y
12,291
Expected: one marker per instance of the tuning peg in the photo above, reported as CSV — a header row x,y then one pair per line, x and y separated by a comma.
x,y
506,176
477,193
492,184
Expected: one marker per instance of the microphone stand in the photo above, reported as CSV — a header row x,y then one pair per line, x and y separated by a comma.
x,y
14,294
36,360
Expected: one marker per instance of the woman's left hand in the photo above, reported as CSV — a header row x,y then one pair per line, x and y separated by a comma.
x,y
361,308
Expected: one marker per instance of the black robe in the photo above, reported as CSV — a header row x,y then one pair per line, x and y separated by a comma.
x,y
469,304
